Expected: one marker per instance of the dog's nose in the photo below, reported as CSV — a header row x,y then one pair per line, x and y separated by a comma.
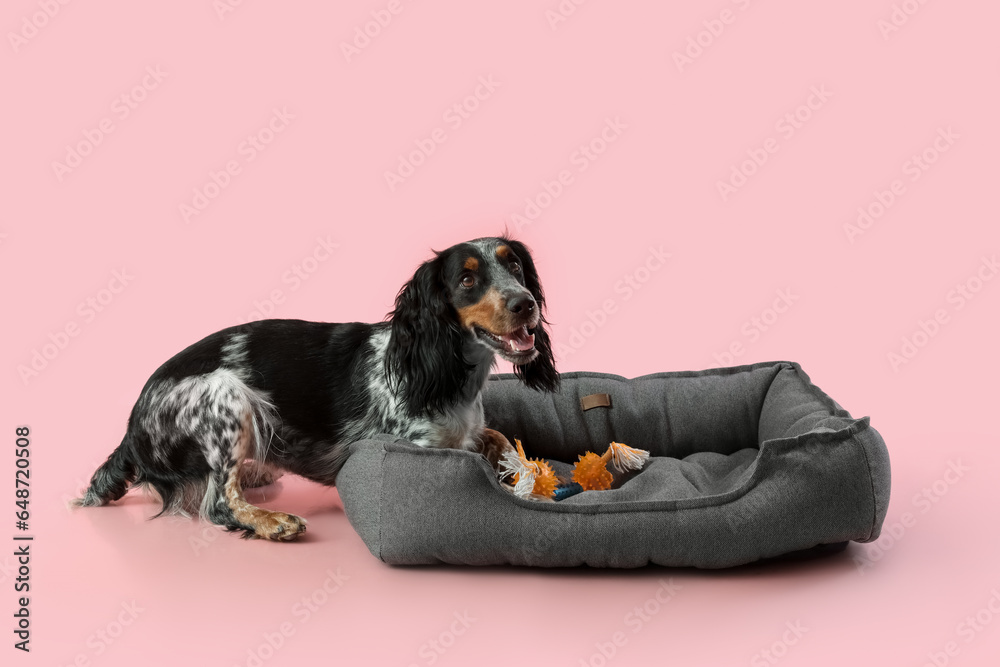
x,y
521,305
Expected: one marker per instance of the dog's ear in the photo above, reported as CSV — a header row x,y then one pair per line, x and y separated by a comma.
x,y
424,356
540,373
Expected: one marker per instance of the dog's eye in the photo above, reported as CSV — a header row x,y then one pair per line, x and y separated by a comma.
x,y
468,280
515,267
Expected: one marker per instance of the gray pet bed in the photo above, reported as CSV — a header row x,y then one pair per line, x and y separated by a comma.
x,y
746,463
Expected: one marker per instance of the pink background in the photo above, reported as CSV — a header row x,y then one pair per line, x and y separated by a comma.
x,y
209,598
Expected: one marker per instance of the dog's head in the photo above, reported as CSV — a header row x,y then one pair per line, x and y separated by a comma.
x,y
486,291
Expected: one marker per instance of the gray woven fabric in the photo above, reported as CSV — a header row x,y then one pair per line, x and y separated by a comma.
x,y
746,463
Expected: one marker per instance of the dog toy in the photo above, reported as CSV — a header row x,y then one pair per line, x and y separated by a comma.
x,y
531,476
591,471
536,477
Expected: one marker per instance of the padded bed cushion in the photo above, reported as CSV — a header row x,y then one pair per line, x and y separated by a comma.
x,y
746,463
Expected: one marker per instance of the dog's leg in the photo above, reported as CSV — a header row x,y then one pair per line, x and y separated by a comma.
x,y
254,474
492,445
224,502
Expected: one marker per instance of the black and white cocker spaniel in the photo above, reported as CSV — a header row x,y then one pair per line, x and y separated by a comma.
x,y
243,404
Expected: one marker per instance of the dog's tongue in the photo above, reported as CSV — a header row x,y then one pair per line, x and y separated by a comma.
x,y
519,340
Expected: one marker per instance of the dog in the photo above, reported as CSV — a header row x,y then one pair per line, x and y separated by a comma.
x,y
249,402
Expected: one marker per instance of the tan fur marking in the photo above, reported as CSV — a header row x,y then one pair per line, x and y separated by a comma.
x,y
265,523
503,251
472,264
492,445
489,313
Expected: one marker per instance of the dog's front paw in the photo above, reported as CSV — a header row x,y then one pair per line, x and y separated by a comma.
x,y
493,445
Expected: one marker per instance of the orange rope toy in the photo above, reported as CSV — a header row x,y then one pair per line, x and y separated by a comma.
x,y
591,471
536,477
531,476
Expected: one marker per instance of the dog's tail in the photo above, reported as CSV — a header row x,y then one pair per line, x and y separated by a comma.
x,y
111,480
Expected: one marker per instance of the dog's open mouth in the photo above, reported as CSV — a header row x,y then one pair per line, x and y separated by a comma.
x,y
517,347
